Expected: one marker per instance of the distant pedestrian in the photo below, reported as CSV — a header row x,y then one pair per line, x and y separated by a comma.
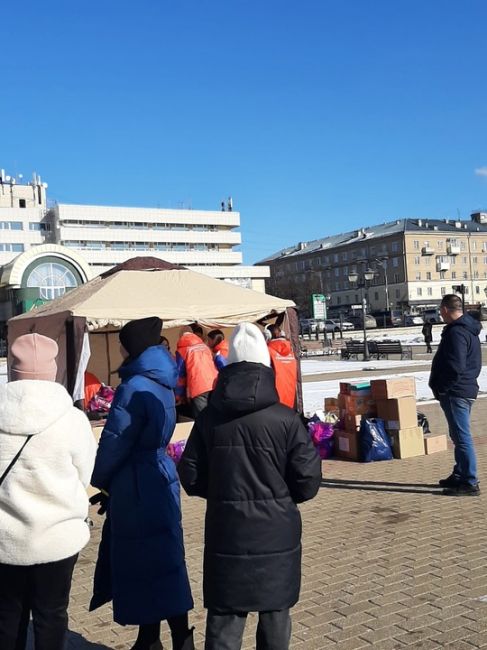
x,y
427,332
47,451
141,565
252,460
454,371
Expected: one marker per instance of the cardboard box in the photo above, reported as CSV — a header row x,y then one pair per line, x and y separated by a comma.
x,y
434,442
407,443
360,405
393,388
398,413
361,388
347,445
351,423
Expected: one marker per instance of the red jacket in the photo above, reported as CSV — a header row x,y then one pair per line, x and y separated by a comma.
x,y
286,370
196,368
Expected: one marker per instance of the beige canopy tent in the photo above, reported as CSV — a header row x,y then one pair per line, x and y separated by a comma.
x,y
85,322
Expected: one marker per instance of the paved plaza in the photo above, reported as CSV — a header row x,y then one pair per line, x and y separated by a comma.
x,y
387,561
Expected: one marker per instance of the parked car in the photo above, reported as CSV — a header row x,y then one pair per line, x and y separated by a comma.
x,y
391,318
357,322
334,325
311,326
410,319
432,316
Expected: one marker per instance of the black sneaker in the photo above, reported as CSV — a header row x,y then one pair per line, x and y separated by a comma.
x,y
451,482
462,490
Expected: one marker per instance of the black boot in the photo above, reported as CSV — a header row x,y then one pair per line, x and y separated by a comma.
x,y
184,642
148,638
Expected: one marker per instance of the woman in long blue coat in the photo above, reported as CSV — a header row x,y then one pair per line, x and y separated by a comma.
x,y
141,565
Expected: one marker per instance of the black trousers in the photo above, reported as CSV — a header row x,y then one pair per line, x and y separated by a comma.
x,y
225,631
42,589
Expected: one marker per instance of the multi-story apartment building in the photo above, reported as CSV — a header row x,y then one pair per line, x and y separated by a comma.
x,y
416,262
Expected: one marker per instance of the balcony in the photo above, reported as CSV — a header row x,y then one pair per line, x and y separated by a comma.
x,y
453,249
427,250
442,266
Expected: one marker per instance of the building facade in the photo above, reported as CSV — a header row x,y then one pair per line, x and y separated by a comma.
x,y
415,261
46,250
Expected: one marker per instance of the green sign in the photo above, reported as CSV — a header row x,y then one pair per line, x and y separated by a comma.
x,y
318,306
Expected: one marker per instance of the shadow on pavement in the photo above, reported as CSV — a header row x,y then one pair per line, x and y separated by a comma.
x,y
381,486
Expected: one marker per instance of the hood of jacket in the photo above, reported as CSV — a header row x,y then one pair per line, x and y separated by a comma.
x,y
156,363
281,346
466,321
244,387
188,340
30,406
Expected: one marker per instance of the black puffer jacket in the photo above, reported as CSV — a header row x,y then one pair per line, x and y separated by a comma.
x,y
458,360
252,459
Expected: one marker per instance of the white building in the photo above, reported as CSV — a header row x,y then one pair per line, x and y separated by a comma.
x,y
201,239
44,251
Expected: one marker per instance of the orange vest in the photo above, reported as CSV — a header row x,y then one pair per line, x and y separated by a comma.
x,y
286,370
201,373
92,386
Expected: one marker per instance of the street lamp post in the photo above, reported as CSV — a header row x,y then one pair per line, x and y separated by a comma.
x,y
361,282
383,263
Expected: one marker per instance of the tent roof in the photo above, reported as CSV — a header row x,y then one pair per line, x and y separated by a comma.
x,y
177,295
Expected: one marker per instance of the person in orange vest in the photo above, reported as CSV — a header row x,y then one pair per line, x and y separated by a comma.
x,y
284,364
219,346
197,373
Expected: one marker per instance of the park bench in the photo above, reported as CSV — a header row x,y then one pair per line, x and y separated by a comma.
x,y
385,348
354,348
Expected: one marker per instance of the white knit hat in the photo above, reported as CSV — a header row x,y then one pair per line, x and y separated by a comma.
x,y
248,344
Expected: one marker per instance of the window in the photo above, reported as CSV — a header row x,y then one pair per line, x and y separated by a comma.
x,y
337,271
11,225
395,261
475,260
396,277
428,275
465,275
430,291
22,203
376,296
416,245
441,244
338,300
477,289
52,279
464,260
417,261
337,286
442,275
398,293
345,256
12,248
453,260
395,247
462,245
453,275
336,257
443,291
474,245
476,275
485,260
418,275
419,291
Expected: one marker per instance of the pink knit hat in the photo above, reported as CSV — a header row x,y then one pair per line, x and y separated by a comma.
x,y
33,356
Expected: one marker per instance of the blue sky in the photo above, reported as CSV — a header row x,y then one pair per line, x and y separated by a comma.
x,y
317,116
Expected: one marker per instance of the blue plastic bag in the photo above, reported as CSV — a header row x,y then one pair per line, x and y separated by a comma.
x,y
374,441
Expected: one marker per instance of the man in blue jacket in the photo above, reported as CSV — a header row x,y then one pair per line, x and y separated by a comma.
x,y
453,380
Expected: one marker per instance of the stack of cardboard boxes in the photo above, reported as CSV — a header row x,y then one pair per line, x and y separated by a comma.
x,y
392,400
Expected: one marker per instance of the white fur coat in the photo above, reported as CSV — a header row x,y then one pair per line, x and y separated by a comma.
x,y
43,500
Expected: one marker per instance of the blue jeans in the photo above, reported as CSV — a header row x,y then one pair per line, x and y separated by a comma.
x,y
457,412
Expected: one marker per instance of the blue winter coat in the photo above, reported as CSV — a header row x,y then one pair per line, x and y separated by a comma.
x,y
458,360
141,565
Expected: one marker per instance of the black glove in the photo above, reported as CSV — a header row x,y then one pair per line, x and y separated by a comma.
x,y
102,499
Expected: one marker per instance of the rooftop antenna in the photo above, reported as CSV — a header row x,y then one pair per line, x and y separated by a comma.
x,y
459,215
